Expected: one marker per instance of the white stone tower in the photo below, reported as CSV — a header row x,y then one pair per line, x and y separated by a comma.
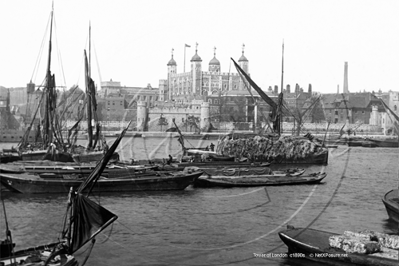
x,y
141,116
204,123
243,63
172,68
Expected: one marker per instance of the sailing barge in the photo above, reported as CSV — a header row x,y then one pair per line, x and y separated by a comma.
x,y
150,181
84,220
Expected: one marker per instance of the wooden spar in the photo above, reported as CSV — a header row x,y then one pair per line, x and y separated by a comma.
x,y
325,135
24,139
280,126
47,138
91,102
181,138
88,106
253,98
89,50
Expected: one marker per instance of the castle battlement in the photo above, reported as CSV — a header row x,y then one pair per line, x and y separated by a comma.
x,y
220,74
179,75
175,110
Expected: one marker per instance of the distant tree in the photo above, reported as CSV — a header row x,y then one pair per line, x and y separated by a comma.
x,y
192,122
162,121
299,114
317,113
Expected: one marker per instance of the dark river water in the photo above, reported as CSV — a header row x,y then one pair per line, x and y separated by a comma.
x,y
218,226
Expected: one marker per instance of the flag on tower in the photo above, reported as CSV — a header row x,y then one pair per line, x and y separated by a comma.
x,y
188,45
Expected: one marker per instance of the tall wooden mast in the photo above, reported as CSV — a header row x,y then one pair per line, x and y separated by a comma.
x,y
280,116
47,133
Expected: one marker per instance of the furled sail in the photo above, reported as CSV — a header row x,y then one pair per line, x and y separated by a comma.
x,y
89,219
262,94
89,84
276,109
91,107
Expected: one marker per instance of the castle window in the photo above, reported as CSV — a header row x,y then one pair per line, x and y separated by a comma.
x,y
395,108
210,101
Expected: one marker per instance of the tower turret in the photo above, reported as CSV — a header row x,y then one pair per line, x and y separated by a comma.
x,y
214,64
243,61
196,72
172,68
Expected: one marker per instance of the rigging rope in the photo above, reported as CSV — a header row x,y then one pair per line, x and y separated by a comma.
x,y
39,57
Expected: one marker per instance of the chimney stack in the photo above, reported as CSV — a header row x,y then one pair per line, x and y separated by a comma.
x,y
346,90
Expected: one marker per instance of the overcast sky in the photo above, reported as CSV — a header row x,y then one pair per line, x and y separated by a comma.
x,y
132,40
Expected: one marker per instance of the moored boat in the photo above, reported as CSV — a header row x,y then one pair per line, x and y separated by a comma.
x,y
385,143
250,172
79,171
391,202
369,144
156,180
315,245
84,220
254,181
355,142
92,156
9,155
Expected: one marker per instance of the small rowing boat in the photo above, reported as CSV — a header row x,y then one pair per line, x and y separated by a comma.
x,y
255,181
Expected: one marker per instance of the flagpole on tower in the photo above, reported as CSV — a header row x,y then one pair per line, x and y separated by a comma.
x,y
184,68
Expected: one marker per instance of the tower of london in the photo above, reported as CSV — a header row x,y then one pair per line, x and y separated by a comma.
x,y
199,82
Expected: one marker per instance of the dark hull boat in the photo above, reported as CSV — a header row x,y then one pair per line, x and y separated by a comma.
x,y
64,170
160,180
93,156
386,143
9,155
260,181
38,155
372,143
317,158
221,164
315,245
35,256
250,172
355,142
6,248
391,202
369,144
